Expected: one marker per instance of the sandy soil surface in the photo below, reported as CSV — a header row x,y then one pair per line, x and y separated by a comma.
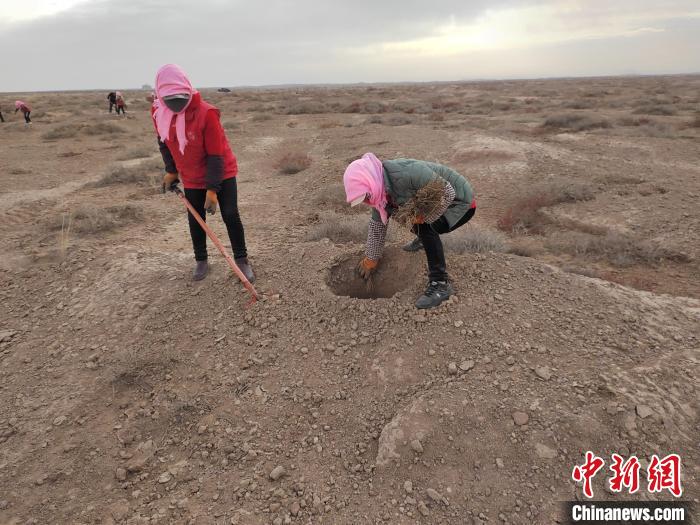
x,y
129,394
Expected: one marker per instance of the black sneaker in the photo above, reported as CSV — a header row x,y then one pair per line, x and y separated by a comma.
x,y
246,268
201,270
435,294
413,246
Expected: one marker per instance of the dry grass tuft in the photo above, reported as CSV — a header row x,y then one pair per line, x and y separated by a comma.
x,y
471,239
665,111
66,131
90,221
425,202
307,108
292,162
141,173
616,248
524,213
102,128
575,122
140,152
399,120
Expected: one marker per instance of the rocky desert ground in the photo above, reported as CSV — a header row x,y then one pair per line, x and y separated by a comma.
x,y
129,394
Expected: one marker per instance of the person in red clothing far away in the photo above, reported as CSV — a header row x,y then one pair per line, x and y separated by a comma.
x,y
25,109
121,103
196,151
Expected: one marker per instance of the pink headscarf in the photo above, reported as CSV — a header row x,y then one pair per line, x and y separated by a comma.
x,y
172,80
366,176
19,104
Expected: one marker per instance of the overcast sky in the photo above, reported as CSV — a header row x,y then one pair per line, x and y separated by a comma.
x,y
81,44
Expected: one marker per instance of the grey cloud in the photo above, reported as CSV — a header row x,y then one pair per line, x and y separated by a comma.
x,y
121,44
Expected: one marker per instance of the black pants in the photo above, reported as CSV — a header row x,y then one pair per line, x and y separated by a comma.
x,y
228,207
26,117
1,117
111,105
430,237
121,108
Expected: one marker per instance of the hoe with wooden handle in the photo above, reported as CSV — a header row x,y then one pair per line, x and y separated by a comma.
x,y
254,294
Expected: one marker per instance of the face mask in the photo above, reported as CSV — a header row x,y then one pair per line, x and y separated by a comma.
x,y
176,103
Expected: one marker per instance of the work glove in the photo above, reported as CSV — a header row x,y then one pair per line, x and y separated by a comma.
x,y
419,220
367,267
169,179
211,201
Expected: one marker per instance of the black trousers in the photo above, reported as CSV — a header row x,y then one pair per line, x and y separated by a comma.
x,y
1,117
430,237
111,105
228,207
121,108
26,117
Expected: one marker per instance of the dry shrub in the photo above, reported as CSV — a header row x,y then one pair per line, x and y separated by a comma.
x,y
436,117
102,128
423,204
524,213
140,152
370,106
470,239
292,162
447,105
307,108
68,154
89,221
375,119
141,173
230,125
575,122
616,248
399,120
579,104
525,247
695,123
65,131
655,110
634,121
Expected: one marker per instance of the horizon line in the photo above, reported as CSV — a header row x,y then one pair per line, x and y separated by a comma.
x,y
378,83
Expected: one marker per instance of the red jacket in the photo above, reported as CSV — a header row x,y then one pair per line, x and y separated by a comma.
x,y
205,136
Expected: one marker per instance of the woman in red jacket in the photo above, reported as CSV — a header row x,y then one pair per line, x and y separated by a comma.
x,y
196,151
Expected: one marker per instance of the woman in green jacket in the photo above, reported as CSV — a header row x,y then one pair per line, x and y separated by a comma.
x,y
386,186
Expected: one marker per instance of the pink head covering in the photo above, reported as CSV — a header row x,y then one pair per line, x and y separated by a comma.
x,y
172,80
19,104
365,176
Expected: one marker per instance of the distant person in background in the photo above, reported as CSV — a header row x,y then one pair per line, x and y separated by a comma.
x,y
1,117
121,104
25,109
195,150
112,97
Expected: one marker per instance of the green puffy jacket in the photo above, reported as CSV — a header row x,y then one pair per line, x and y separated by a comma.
x,y
404,177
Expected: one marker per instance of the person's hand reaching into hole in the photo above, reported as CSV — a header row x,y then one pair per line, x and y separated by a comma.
x,y
367,267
